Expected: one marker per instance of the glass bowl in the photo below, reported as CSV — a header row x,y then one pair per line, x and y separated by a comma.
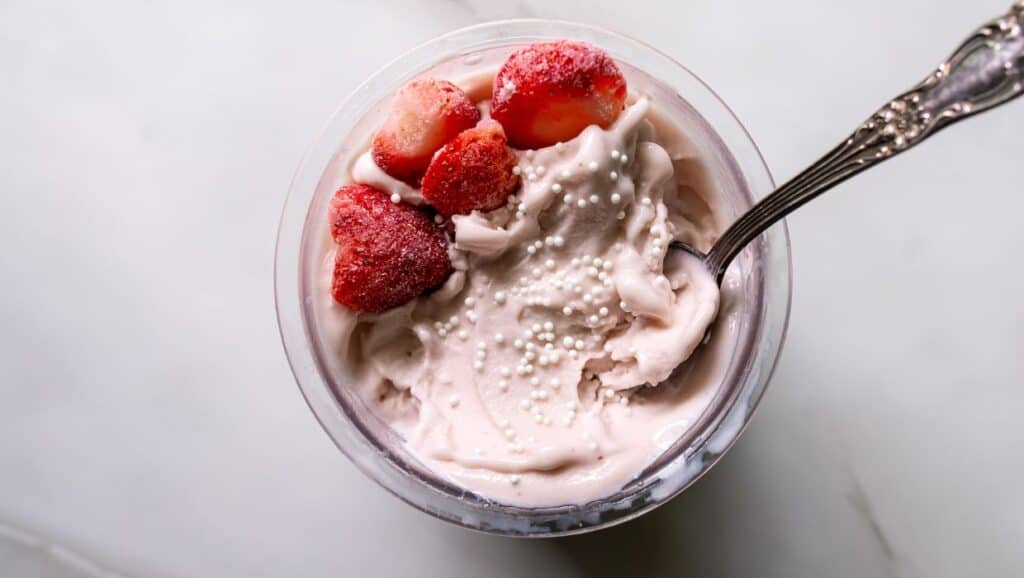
x,y
763,294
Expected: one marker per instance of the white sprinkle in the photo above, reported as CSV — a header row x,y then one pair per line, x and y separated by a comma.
x,y
559,240
579,345
520,214
454,321
463,335
593,319
396,198
549,326
646,201
603,312
609,393
470,301
616,198
510,433
615,154
531,177
613,176
549,264
529,154
505,372
621,215
478,366
529,356
623,159
528,334
572,405
536,272
438,219
538,418
503,385
516,170
538,244
554,383
581,203
518,344
530,347
592,166
565,174
453,401
514,480
542,395
594,199
525,405
499,338
567,311
540,169
568,199
588,298
499,297
556,188
575,262
531,250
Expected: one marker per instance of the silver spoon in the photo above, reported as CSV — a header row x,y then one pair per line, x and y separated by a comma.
x,y
985,71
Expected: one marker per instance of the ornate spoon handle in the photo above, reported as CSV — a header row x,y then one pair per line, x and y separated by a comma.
x,y
984,72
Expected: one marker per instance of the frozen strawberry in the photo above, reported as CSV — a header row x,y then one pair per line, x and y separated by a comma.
x,y
550,91
425,115
388,253
472,172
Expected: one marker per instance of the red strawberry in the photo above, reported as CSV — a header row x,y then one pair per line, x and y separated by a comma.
x,y
388,253
425,115
550,91
472,172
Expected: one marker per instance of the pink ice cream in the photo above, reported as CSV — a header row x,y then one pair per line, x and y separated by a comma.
x,y
536,375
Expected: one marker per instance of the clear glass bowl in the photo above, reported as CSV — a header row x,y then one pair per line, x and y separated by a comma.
x,y
764,294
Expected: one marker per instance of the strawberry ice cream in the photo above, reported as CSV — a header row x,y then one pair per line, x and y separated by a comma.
x,y
533,359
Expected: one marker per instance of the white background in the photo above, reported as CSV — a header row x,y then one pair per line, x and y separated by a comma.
x,y
148,419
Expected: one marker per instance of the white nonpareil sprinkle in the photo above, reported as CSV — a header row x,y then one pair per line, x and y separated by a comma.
x,y
565,174
499,297
453,401
592,166
514,480
567,311
438,219
646,201
499,338
463,335
396,198
505,372
549,264
517,170
581,203
556,188
615,154
594,199
613,176
621,215
623,158
603,312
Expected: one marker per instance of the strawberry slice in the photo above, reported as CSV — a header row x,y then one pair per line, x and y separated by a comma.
x,y
424,115
550,91
388,253
472,172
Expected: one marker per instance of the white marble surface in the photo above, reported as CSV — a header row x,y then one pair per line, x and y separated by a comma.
x,y
148,420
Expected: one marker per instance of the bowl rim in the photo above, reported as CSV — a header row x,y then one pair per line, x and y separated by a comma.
x,y
288,304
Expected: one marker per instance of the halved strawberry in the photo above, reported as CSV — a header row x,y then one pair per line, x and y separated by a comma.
x,y
424,115
472,172
550,91
388,253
